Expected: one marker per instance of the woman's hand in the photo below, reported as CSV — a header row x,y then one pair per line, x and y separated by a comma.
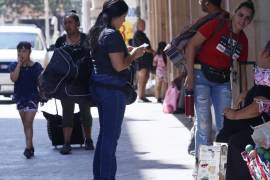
x,y
229,113
241,99
189,82
20,62
137,52
130,48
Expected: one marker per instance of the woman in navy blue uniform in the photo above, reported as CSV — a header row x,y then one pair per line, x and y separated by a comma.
x,y
24,73
111,60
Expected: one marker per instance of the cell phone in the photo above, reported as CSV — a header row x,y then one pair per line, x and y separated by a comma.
x,y
145,45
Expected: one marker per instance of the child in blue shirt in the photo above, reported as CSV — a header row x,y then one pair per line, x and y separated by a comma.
x,y
24,73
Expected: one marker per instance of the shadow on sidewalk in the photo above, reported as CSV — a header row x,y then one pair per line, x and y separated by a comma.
x,y
133,162
187,122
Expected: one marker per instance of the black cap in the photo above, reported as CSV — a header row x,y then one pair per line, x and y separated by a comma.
x,y
216,2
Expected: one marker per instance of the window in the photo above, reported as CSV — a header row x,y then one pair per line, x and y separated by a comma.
x,y
9,40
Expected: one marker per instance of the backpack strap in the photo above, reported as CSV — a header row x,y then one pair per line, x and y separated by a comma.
x,y
220,25
204,20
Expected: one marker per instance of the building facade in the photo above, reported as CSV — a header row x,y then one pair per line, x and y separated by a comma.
x,y
167,18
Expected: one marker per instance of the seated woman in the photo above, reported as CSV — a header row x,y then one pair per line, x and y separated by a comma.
x,y
237,129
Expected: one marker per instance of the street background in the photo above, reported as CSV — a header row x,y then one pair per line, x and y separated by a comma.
x,y
152,146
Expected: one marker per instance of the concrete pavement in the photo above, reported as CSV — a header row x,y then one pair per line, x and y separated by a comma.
x,y
152,146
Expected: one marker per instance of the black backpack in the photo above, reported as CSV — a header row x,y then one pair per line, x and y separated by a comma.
x,y
67,74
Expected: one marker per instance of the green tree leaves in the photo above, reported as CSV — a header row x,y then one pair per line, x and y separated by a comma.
x,y
36,5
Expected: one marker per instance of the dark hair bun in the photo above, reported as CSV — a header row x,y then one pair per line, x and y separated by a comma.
x,y
73,11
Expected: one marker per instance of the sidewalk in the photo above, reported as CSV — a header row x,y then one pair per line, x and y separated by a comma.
x,y
153,146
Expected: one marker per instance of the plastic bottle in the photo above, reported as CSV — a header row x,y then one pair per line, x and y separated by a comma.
x,y
189,103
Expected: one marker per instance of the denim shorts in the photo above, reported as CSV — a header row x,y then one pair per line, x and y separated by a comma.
x,y
27,106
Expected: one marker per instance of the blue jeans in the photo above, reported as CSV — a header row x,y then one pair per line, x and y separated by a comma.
x,y
111,108
205,94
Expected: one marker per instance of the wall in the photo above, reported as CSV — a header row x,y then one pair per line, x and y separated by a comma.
x,y
168,17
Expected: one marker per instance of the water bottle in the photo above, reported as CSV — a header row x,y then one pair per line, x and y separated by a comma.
x,y
189,103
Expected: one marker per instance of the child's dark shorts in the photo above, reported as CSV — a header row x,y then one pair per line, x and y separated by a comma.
x,y
27,106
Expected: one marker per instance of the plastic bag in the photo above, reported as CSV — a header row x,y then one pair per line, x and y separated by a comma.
x,y
259,168
171,99
261,135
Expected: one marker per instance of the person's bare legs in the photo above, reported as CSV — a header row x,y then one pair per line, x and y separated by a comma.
x,y
158,87
164,88
27,121
88,138
67,131
143,76
86,132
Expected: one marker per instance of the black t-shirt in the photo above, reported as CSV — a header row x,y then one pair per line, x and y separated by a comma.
x,y
110,41
146,60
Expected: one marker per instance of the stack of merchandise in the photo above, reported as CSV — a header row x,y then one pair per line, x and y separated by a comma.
x,y
212,162
258,161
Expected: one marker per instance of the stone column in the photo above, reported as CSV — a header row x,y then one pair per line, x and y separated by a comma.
x,y
86,5
95,10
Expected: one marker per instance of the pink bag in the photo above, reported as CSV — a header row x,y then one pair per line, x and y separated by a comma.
x,y
171,99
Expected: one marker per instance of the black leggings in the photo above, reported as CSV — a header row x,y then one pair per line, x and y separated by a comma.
x,y
68,111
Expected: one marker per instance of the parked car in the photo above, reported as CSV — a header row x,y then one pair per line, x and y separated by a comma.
x,y
10,36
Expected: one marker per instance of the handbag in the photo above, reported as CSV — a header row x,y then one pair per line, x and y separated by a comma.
x,y
129,88
130,93
171,99
215,75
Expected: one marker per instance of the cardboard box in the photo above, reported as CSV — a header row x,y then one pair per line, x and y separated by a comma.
x,y
212,162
